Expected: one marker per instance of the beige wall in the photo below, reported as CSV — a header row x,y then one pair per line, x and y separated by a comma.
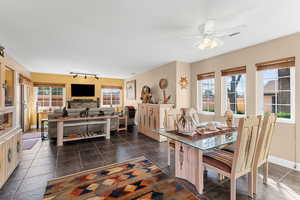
x,y
183,95
172,71
151,78
285,138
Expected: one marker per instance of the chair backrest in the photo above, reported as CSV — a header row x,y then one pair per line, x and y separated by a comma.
x,y
265,139
247,140
172,115
195,116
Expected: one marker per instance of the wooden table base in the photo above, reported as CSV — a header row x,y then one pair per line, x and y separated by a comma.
x,y
188,164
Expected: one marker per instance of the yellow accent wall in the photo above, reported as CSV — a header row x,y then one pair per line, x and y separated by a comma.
x,y
68,80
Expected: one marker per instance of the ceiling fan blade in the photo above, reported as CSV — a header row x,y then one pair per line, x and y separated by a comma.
x,y
232,31
196,45
196,36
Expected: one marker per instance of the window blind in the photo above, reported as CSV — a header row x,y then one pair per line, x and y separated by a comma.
x,y
53,85
111,87
204,76
276,64
234,71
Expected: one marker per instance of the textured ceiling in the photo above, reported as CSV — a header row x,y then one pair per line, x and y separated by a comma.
x,y
116,38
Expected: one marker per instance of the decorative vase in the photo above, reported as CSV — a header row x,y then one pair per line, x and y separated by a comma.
x,y
229,118
185,123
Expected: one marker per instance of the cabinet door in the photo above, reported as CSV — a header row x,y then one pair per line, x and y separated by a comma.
x,y
2,165
153,112
9,156
18,147
140,118
14,149
157,118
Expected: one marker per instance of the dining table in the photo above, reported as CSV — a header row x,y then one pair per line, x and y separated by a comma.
x,y
189,151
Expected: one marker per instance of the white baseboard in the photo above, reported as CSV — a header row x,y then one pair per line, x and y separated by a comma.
x,y
284,163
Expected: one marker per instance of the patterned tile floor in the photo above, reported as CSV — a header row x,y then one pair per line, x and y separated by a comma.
x,y
46,161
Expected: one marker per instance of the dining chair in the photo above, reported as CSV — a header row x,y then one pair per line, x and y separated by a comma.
x,y
240,162
263,149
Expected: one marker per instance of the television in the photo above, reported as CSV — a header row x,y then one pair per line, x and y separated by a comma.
x,y
82,90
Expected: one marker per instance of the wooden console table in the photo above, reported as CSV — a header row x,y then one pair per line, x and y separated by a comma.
x,y
105,120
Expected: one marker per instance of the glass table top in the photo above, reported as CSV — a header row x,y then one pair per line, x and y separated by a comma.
x,y
204,143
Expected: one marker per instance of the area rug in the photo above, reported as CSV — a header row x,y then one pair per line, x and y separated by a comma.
x,y
28,144
135,179
28,136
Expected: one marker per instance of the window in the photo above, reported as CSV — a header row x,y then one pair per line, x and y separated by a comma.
x,y
277,88
50,97
206,92
111,97
278,91
235,90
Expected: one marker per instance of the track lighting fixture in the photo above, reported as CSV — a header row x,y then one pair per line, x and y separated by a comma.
x,y
2,50
85,75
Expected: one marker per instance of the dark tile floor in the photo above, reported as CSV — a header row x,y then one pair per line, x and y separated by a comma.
x,y
45,161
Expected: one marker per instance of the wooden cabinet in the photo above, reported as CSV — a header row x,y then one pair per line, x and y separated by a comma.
x,y
2,164
152,116
10,153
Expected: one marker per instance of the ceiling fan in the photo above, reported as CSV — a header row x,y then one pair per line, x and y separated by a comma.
x,y
211,37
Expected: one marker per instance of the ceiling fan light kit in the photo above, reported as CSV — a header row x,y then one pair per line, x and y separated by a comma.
x,y
208,43
211,35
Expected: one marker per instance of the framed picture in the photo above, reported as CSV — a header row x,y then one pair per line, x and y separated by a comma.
x,y
131,90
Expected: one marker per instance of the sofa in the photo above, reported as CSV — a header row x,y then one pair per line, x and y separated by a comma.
x,y
52,126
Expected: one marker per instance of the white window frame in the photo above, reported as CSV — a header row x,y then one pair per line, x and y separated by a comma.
x,y
50,101
116,105
225,96
260,96
199,98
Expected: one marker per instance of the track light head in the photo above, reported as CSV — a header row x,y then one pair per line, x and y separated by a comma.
x,y
2,50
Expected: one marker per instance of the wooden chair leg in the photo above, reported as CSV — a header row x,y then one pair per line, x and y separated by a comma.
x,y
205,171
250,184
232,188
254,181
169,154
266,172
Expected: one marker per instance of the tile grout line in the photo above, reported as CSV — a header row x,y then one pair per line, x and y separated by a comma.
x,y
98,151
56,164
22,180
284,176
80,160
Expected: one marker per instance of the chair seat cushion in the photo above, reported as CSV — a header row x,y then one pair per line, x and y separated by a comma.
x,y
220,159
